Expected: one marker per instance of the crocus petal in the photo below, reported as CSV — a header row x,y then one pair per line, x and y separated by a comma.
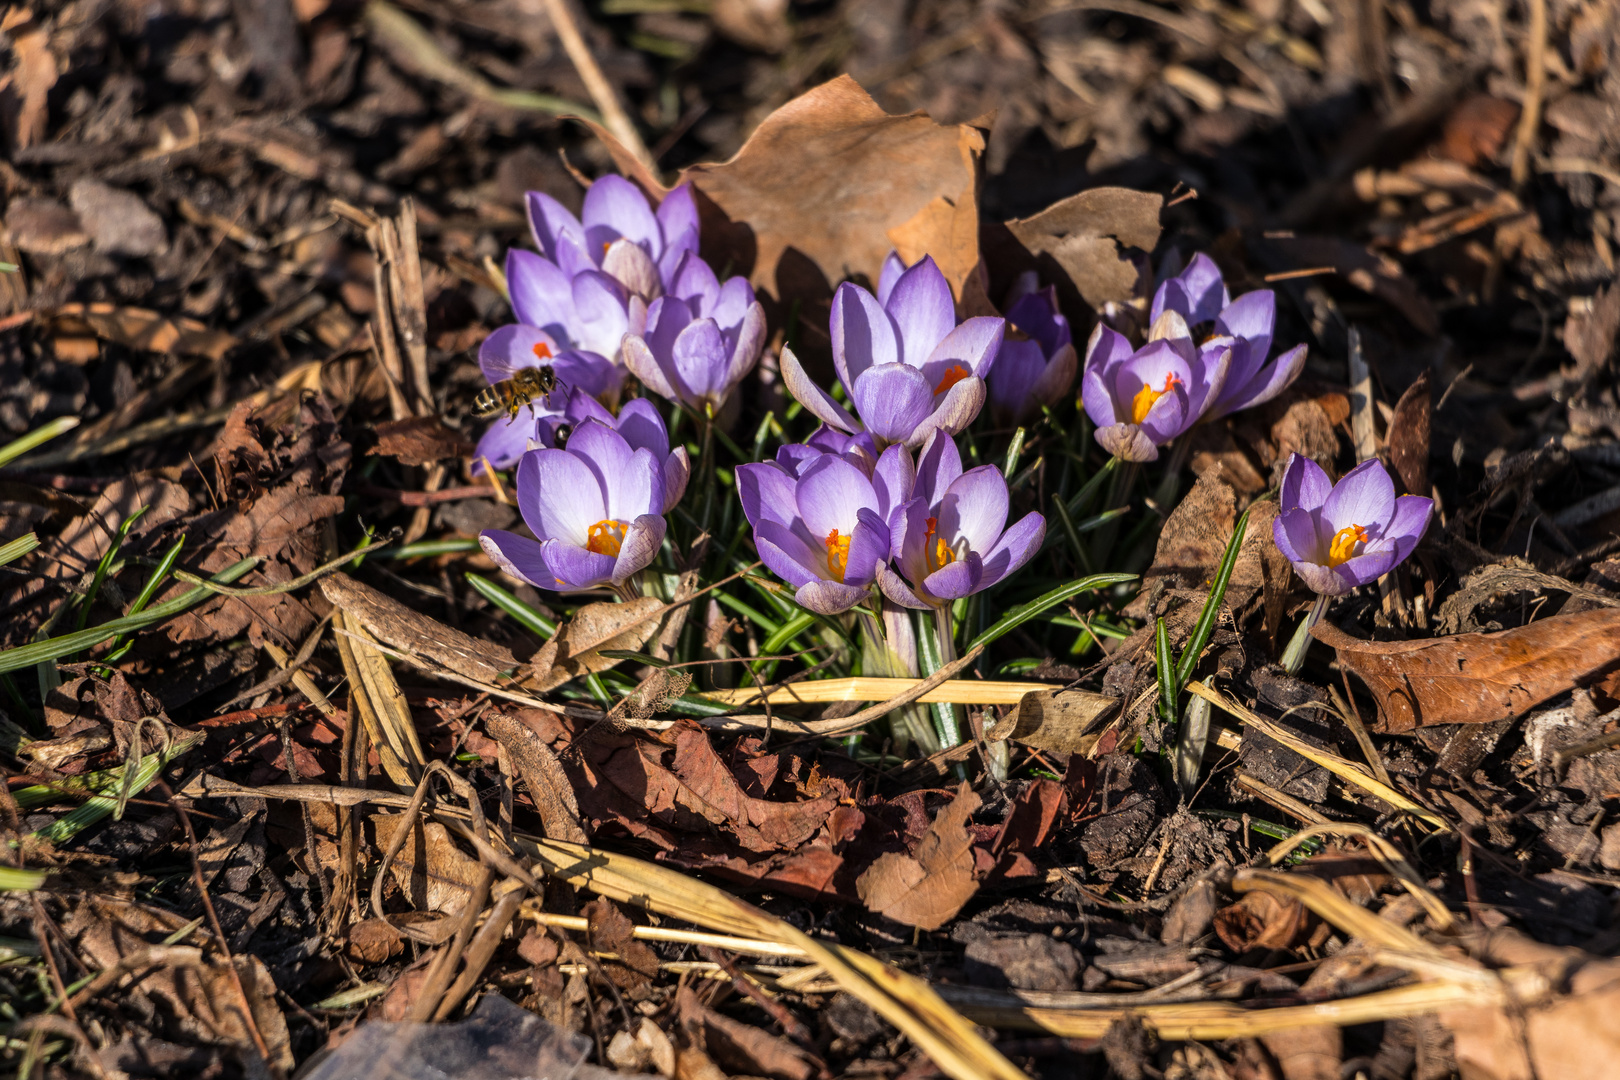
x,y
640,546
746,352
542,295
630,266
1323,580
732,305
599,312
677,471
701,361
787,555
954,412
640,424
1295,533
830,493
573,567
893,267
695,283
1369,566
1054,382
1036,314
829,597
505,441
1016,547
1408,524
1364,496
1198,292
922,309
892,400
678,219
863,335
1098,399
1266,384
938,467
519,556
515,346
1252,317
897,591
1106,349
767,493
559,496
638,357
549,219
908,536
1127,442
573,257
1018,366
1304,484
816,401
975,508
893,479
973,345
955,580
868,546
615,207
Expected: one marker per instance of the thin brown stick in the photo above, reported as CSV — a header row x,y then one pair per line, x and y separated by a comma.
x,y
478,954
1535,80
614,117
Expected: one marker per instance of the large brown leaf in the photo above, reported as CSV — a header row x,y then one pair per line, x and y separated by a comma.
x,y
1088,237
927,888
1478,678
829,183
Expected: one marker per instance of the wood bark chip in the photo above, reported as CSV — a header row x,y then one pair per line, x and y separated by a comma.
x,y
1478,678
928,888
1409,436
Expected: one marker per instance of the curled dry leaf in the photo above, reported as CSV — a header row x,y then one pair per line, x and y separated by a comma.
x,y
1061,721
579,642
927,888
1089,236
430,870
1478,678
1264,920
543,774
1409,436
419,440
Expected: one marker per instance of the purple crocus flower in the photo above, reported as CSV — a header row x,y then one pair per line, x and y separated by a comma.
x,y
702,337
620,235
858,449
824,530
1036,368
594,508
642,427
586,312
516,346
1339,536
1142,399
1245,326
906,365
951,538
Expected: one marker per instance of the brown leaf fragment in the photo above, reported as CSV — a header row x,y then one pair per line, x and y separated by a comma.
x,y
119,221
1478,678
1589,333
430,870
419,440
1088,235
543,774
594,627
927,888
611,931
1062,721
1263,920
138,328
829,183
742,1048
1409,436
44,227
373,941
25,89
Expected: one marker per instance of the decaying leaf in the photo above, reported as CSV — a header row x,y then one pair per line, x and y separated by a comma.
x,y
927,888
742,1048
595,627
1061,721
1264,920
1589,334
419,440
1409,436
1088,237
548,785
25,89
429,869
829,183
1478,678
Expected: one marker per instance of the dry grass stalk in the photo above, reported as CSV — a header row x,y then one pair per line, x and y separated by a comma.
x,y
1386,853
954,692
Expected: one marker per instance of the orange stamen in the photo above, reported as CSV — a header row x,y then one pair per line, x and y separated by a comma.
x,y
837,555
606,537
1343,547
1145,398
953,375
542,351
935,550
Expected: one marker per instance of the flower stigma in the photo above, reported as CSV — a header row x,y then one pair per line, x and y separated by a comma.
x,y
936,551
606,537
1143,402
542,351
837,555
953,375
1343,546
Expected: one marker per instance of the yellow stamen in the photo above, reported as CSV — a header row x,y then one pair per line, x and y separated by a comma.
x,y
542,351
1343,547
837,555
935,550
1143,402
953,375
606,537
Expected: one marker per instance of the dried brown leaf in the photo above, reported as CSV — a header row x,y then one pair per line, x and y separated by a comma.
x,y
594,627
430,870
1088,235
1061,721
1589,334
138,328
25,89
1478,678
1263,920
419,440
543,774
927,888
1409,436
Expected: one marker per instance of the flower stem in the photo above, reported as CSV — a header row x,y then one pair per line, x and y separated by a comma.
x,y
706,510
945,718
1293,657
892,651
1120,486
1170,483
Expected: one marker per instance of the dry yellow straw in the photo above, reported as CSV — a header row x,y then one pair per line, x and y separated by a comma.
x,y
954,692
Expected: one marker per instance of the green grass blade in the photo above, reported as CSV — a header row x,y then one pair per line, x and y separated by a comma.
x,y
70,825
1212,605
514,607
1166,671
39,652
12,551
15,880
782,635
38,437
1023,613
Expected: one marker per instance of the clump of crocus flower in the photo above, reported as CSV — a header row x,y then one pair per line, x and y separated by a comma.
x,y
1141,399
517,346
642,427
907,367
595,508
951,538
824,529
1245,326
701,338
1339,536
1036,364
619,233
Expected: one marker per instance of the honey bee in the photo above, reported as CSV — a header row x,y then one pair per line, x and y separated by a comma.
x,y
511,394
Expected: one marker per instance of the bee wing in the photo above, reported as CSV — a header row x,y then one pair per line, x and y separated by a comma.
x,y
514,347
